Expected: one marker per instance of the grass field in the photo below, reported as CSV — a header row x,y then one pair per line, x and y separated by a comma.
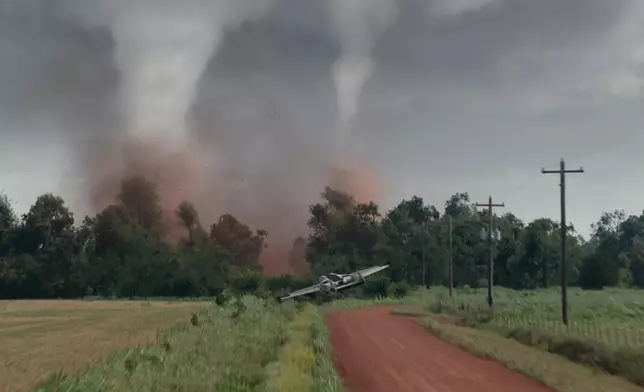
x,y
613,316
605,331
41,338
255,345
559,373
249,344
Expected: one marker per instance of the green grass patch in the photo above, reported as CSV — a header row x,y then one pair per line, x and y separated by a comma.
x,y
619,361
296,358
552,370
222,348
606,328
325,375
305,362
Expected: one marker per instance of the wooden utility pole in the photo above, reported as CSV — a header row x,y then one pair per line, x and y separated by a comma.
x,y
451,254
490,235
451,259
422,239
564,281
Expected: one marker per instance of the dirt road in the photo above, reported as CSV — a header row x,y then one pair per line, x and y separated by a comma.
x,y
376,351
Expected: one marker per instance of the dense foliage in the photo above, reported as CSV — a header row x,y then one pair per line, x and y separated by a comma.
x,y
124,250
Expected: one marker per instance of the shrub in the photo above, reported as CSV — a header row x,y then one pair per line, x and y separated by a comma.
x,y
399,289
247,282
377,286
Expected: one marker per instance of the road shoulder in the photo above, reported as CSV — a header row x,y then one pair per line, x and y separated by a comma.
x,y
555,371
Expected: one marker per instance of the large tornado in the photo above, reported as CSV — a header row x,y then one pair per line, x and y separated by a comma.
x,y
162,48
358,24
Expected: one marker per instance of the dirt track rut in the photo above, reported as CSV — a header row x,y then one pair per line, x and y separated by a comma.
x,y
376,351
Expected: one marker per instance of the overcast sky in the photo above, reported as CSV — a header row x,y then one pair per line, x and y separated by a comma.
x,y
465,96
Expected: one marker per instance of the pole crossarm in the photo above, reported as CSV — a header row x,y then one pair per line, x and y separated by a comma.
x,y
580,170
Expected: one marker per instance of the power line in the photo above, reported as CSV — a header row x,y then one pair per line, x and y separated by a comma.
x,y
490,265
564,283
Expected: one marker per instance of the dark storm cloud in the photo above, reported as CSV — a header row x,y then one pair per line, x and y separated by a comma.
x,y
465,95
58,91
468,92
53,70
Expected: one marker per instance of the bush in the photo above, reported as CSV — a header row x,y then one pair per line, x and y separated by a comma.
x,y
247,282
377,287
399,289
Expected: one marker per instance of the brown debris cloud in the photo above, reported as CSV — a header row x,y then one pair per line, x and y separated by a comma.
x,y
182,172
174,169
358,180
284,253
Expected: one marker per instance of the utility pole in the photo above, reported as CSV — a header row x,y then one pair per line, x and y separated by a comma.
x,y
490,235
451,254
564,281
451,259
422,239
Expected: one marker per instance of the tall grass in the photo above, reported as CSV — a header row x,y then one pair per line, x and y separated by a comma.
x,y
613,317
325,374
418,297
606,328
222,348
296,358
248,345
305,362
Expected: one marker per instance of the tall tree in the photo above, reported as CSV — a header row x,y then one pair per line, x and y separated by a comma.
x,y
189,218
141,200
238,239
8,222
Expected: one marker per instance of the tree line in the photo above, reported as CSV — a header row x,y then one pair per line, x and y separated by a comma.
x,y
124,250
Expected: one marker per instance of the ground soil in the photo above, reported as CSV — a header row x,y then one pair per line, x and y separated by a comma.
x,y
376,351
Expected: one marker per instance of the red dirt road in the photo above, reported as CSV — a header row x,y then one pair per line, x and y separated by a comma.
x,y
376,351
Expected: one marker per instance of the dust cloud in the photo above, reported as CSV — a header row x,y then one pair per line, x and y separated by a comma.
x,y
215,101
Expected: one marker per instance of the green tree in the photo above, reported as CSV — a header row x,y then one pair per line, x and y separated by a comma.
x,y
243,246
140,199
189,218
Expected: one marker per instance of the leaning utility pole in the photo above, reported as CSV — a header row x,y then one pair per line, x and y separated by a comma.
x,y
564,282
490,265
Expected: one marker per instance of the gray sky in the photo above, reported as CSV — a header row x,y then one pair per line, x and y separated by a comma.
x,y
467,95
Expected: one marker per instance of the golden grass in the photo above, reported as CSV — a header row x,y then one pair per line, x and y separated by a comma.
x,y
41,338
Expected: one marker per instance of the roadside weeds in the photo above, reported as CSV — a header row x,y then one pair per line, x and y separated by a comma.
x,y
552,370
